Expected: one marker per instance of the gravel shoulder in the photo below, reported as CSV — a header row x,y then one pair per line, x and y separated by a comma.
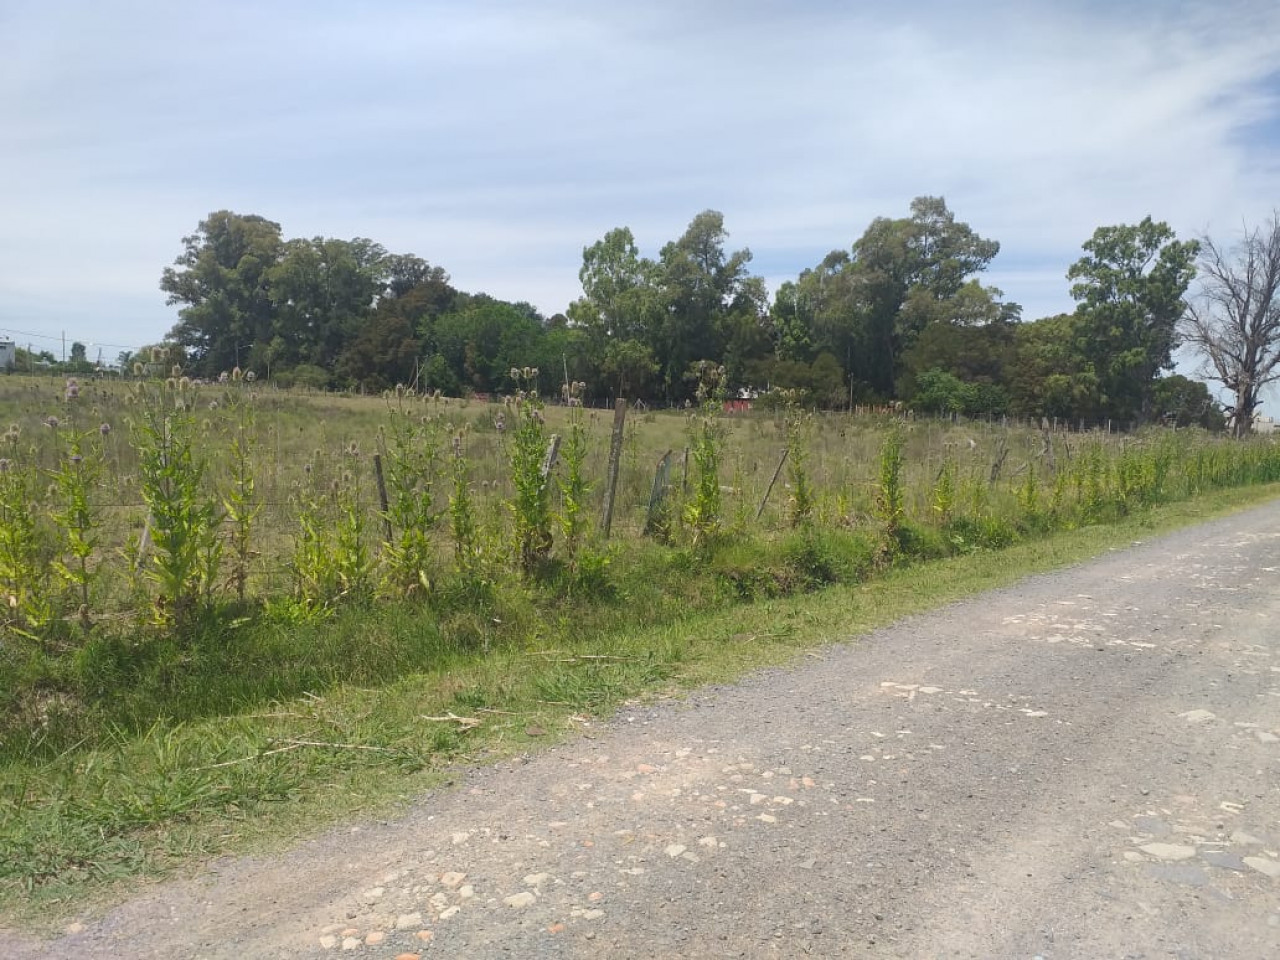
x,y
1083,765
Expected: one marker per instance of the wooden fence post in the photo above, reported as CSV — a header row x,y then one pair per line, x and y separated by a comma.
x,y
615,459
549,460
382,495
658,494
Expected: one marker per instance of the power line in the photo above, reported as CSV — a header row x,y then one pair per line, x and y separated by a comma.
x,y
57,338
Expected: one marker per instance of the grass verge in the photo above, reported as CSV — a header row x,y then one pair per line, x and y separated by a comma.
x,y
316,745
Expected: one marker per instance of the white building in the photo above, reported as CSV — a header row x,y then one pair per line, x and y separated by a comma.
x,y
8,354
1263,424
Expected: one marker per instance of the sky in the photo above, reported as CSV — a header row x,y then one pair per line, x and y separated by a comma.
x,y
498,139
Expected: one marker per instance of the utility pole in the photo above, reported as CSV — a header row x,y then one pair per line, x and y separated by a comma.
x,y
64,346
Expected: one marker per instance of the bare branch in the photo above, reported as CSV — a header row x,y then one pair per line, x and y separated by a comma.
x,y
1234,320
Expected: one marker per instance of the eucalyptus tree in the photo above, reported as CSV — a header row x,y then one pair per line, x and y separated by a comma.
x,y
1130,287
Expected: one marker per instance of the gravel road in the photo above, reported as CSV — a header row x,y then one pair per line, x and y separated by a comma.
x,y
1084,765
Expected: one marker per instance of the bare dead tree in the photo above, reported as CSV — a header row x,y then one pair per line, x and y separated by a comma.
x,y
1234,319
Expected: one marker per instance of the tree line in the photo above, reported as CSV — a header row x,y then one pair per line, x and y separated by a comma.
x,y
902,315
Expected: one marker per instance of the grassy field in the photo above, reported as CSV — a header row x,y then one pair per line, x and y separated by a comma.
x,y
138,734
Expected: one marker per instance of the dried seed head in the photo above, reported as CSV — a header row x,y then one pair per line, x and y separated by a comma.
x,y
104,428
52,422
76,459
5,465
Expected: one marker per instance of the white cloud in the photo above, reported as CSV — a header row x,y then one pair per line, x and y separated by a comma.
x,y
498,139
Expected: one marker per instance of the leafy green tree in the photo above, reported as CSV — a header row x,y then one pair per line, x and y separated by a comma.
x,y
708,296
1185,402
323,290
622,296
221,281
868,307
629,366
1130,286
971,353
1051,374
382,354
484,339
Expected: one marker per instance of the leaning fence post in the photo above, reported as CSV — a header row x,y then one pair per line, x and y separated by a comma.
x,y
615,458
658,495
382,495
769,489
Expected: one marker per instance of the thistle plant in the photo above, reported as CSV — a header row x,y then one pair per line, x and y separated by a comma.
x,y
530,504
239,502
25,602
1029,493
943,497
412,464
183,527
352,558
799,427
703,515
315,581
77,517
574,488
889,501
464,526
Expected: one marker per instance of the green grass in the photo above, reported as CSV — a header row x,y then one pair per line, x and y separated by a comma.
x,y
265,732
134,741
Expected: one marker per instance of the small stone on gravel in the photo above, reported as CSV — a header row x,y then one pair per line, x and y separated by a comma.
x,y
520,900
1268,868
452,879
1169,851
407,921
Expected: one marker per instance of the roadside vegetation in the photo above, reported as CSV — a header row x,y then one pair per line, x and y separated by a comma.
x,y
220,603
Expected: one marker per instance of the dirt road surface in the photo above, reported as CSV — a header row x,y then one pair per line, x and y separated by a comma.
x,y
1084,765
